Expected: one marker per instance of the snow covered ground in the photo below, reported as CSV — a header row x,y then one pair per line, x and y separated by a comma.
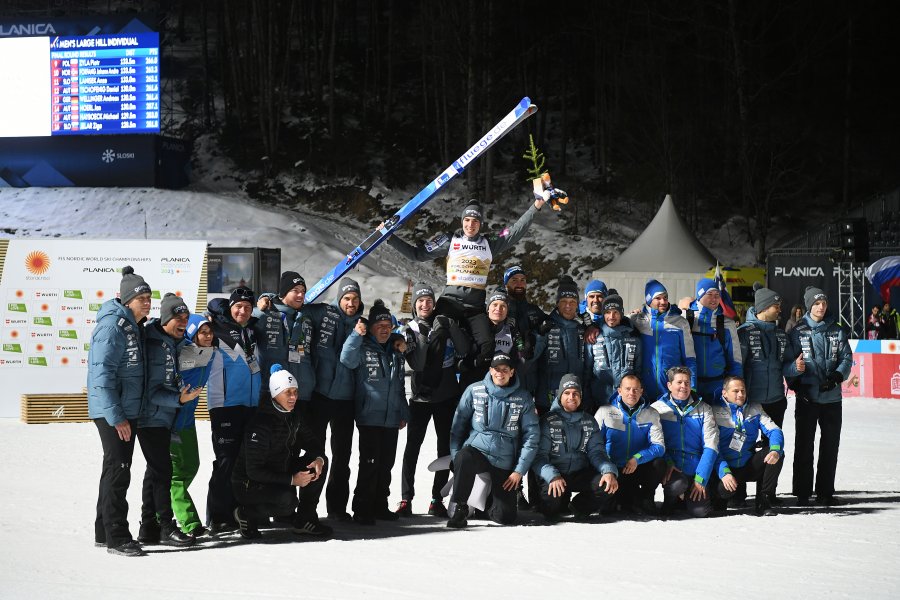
x,y
49,484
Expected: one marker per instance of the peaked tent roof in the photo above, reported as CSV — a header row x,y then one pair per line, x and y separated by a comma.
x,y
665,245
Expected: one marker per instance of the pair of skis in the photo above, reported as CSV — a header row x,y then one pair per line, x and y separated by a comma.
x,y
522,111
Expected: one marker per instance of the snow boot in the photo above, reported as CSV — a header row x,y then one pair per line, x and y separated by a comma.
x,y
246,526
458,520
131,548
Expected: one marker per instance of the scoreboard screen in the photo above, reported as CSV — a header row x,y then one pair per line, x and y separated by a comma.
x,y
101,84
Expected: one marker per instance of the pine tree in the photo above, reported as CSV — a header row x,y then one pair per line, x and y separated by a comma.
x,y
536,158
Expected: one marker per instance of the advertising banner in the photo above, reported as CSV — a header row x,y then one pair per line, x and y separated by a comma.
x,y
886,368
790,276
50,292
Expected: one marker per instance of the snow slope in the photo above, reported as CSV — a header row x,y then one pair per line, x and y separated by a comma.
x,y
49,485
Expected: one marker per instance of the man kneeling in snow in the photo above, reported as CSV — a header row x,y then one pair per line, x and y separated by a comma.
x,y
269,465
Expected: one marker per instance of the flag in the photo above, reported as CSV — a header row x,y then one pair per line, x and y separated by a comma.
x,y
726,302
884,274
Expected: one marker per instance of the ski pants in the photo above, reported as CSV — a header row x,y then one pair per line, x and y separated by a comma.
x,y
377,452
337,414
681,483
828,417
756,470
111,523
185,455
641,484
590,497
467,464
228,424
259,501
420,413
156,499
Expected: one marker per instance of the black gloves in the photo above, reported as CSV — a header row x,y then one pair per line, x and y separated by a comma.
x,y
833,380
545,327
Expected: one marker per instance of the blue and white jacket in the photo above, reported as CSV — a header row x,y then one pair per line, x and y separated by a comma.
x,y
116,366
749,419
825,350
691,434
665,342
380,383
234,374
714,360
500,422
616,352
163,379
570,442
763,346
629,433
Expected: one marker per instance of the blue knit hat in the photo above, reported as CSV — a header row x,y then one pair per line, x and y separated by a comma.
x,y
595,285
652,290
704,285
516,270
194,324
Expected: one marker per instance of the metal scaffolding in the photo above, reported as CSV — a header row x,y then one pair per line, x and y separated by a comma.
x,y
852,297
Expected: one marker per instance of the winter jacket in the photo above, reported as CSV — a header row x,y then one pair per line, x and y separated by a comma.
x,y
750,420
527,317
332,328
116,367
763,346
570,442
559,351
826,352
234,373
194,365
285,336
380,381
431,355
715,359
164,382
471,295
616,352
628,433
692,438
500,422
272,443
665,342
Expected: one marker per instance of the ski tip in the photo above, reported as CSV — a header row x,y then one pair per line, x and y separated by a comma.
x,y
526,101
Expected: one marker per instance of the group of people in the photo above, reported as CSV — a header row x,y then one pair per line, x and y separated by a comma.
x,y
883,323
590,405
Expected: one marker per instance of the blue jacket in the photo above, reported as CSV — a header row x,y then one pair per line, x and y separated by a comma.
x,y
570,442
234,377
380,382
285,336
163,380
665,342
115,378
750,419
500,422
692,438
616,352
631,434
714,361
332,328
558,352
763,346
825,350
194,365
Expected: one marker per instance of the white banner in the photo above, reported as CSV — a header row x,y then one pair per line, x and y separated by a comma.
x,y
51,291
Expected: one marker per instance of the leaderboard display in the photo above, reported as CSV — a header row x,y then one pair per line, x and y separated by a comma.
x,y
87,85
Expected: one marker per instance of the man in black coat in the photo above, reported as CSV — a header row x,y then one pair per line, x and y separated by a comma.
x,y
270,467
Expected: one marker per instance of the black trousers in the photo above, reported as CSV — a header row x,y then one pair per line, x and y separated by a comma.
x,y
338,415
642,483
682,484
156,499
377,452
259,501
227,424
590,497
473,318
111,523
420,413
757,470
776,411
467,464
828,417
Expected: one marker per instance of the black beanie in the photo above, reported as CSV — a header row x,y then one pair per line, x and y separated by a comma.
x,y
170,307
348,286
501,359
421,290
473,209
499,294
612,302
379,312
132,285
567,288
241,294
289,280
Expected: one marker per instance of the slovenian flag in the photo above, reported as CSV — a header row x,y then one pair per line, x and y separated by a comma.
x,y
885,274
726,302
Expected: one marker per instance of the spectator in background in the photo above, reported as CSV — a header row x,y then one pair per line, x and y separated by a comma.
x,y
875,324
797,312
891,327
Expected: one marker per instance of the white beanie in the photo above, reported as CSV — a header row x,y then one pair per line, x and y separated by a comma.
x,y
280,380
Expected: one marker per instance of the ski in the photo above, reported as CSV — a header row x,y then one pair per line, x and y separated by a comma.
x,y
521,112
